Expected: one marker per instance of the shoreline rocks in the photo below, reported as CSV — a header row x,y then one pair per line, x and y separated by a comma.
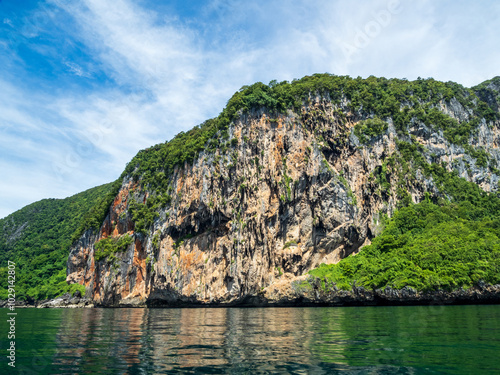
x,y
65,301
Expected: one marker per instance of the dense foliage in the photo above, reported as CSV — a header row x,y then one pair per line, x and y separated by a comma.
x,y
94,217
107,247
52,225
489,92
430,246
37,238
372,100
369,128
375,98
452,241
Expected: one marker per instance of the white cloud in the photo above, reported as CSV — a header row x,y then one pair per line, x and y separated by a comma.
x,y
167,74
76,69
8,22
32,147
161,62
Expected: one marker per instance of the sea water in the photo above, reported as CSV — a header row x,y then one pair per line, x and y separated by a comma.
x,y
322,340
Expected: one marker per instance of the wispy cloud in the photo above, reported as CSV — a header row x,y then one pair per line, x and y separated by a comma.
x,y
87,84
8,22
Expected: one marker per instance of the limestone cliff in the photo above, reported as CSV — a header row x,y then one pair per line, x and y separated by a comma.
x,y
283,191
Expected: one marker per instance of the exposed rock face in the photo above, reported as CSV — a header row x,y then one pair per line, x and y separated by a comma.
x,y
295,190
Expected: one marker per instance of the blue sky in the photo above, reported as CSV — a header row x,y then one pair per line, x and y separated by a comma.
x,y
86,84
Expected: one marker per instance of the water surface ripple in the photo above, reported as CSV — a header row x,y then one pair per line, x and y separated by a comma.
x,y
351,340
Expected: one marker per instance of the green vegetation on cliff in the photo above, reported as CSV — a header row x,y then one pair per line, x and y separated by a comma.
x,y
369,128
430,246
37,238
372,98
97,210
107,247
448,241
438,244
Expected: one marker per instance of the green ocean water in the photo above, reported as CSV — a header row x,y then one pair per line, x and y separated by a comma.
x,y
326,340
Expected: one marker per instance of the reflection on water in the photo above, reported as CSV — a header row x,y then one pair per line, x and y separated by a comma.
x,y
403,340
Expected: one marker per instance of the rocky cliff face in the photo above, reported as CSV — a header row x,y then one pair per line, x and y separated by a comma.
x,y
286,192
